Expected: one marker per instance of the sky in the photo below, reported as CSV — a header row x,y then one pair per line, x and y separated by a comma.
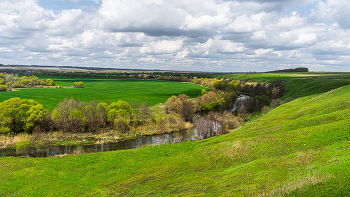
x,y
186,35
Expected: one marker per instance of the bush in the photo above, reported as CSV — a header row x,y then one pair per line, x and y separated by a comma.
x,y
50,82
79,84
229,121
23,146
121,124
3,87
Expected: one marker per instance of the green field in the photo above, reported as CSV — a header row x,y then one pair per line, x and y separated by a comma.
x,y
105,89
300,148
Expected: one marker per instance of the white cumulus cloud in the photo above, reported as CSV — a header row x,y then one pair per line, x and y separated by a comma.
x,y
163,46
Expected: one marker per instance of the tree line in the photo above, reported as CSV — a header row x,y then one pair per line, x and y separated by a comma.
x,y
74,116
9,81
300,69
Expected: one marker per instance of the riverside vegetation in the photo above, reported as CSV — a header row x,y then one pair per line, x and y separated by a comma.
x,y
121,120
298,149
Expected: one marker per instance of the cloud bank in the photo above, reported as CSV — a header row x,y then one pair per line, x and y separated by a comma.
x,y
209,35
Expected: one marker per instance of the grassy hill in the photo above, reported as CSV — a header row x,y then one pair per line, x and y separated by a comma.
x,y
301,148
299,84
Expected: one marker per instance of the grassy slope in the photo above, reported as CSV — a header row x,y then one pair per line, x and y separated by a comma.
x,y
299,84
301,148
106,89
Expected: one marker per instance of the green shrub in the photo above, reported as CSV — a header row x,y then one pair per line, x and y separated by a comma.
x,y
119,109
3,87
78,84
121,124
40,146
50,82
23,146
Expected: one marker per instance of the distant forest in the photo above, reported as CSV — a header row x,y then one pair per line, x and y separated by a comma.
x,y
300,69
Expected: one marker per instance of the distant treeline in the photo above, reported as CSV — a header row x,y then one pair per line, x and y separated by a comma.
x,y
300,69
167,76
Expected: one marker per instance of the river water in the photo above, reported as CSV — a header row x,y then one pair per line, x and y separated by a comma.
x,y
138,142
239,101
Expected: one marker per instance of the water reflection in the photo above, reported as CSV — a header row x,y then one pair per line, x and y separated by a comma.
x,y
122,145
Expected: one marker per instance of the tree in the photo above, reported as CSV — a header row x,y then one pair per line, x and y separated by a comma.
x,y
75,116
69,116
121,124
187,110
50,82
211,101
181,105
19,115
119,109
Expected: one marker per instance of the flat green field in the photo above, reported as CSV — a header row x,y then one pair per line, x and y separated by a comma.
x,y
105,89
300,148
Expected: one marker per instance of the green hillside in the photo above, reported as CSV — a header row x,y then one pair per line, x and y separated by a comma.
x,y
301,148
298,84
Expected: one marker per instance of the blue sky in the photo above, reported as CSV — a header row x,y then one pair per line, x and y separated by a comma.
x,y
196,35
59,5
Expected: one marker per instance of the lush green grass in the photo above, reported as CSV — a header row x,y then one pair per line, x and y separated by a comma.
x,y
299,149
105,89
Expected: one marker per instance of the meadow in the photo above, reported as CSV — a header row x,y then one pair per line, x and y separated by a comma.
x,y
102,89
300,148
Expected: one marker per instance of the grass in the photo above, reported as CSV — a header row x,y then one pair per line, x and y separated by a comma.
x,y
105,89
299,84
300,148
